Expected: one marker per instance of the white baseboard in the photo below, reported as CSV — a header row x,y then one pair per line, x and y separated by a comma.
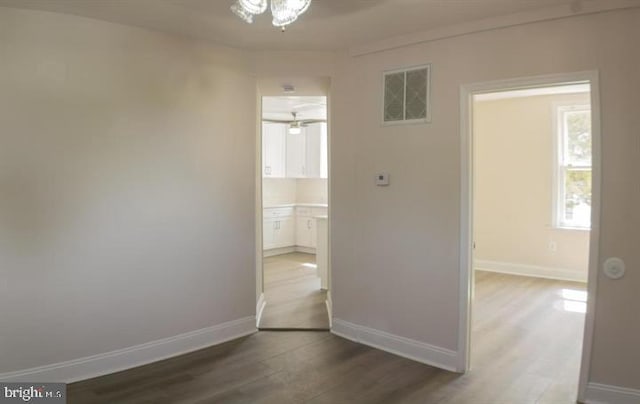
x,y
288,250
605,394
307,250
530,270
401,346
278,251
329,303
138,355
260,308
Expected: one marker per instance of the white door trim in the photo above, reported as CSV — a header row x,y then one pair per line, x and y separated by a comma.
x,y
306,86
467,91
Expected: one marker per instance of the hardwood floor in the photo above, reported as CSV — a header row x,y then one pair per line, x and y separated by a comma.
x,y
525,349
293,295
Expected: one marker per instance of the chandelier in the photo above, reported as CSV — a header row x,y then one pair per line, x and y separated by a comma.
x,y
284,12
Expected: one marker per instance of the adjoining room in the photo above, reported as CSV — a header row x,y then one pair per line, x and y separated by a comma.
x,y
532,165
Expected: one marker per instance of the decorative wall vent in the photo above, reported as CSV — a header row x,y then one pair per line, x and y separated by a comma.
x,y
407,95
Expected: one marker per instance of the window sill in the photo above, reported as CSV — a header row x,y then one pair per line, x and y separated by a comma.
x,y
407,122
585,229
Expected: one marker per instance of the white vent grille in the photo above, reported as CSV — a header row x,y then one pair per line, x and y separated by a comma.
x,y
406,95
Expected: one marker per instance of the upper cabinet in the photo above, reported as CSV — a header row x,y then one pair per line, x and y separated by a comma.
x,y
289,155
274,147
296,155
316,150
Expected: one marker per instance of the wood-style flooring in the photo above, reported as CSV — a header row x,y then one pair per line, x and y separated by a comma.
x,y
293,295
525,349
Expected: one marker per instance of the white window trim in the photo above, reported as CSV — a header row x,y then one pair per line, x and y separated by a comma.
x,y
557,203
427,119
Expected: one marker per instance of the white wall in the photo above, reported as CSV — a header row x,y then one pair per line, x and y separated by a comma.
x,y
513,141
395,258
126,187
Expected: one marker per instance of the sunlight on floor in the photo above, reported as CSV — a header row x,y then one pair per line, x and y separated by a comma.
x,y
575,295
574,300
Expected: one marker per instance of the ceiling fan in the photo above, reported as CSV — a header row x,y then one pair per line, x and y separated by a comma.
x,y
295,124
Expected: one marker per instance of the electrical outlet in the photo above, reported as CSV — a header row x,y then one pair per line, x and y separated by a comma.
x,y
382,179
553,246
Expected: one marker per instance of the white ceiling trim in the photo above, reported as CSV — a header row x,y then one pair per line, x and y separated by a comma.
x,y
547,14
533,92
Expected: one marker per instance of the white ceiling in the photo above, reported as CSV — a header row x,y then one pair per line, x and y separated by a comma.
x,y
304,107
327,25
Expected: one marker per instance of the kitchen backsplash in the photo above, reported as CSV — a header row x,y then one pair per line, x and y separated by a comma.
x,y
277,191
312,190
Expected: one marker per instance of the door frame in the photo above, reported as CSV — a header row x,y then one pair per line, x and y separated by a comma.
x,y
305,86
467,91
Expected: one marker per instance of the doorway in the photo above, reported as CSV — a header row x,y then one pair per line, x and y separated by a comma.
x,y
294,210
530,214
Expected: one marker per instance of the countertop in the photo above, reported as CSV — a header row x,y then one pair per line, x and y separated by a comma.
x,y
293,205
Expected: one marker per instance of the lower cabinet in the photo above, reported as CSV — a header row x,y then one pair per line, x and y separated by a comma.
x,y
305,231
284,227
306,225
279,232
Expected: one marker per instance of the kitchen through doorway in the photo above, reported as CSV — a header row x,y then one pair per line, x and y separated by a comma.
x,y
295,211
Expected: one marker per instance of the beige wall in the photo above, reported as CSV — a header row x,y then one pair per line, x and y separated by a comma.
x,y
311,190
396,249
513,143
126,187
290,190
277,191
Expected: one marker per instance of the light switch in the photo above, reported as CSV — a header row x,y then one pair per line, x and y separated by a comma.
x,y
382,179
614,268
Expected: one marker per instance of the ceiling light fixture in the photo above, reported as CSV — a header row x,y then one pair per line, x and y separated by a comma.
x,y
295,127
295,130
284,12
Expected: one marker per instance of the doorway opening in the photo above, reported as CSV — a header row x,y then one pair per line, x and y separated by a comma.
x,y
294,213
530,232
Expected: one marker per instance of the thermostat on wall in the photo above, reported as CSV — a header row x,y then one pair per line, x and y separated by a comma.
x,y
382,179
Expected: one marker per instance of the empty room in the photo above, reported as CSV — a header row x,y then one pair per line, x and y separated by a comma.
x,y
319,201
532,200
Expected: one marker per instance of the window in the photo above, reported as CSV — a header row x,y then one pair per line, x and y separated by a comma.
x,y
406,95
573,167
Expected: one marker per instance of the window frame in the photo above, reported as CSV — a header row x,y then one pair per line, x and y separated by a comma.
x,y
405,70
561,167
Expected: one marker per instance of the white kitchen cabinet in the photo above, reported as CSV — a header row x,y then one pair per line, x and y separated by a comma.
x,y
306,225
279,233
322,252
305,228
286,233
316,150
296,155
278,228
302,155
268,234
274,147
